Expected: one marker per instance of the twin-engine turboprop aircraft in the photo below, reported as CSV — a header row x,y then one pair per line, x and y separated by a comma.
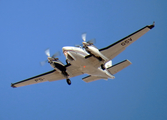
x,y
86,60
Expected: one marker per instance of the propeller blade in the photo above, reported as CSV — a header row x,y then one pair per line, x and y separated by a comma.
x,y
92,41
43,62
47,52
56,54
84,37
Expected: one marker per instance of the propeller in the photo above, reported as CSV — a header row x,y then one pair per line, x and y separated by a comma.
x,y
90,42
84,37
47,52
56,54
43,62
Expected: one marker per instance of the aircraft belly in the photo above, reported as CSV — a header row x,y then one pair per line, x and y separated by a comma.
x,y
87,66
79,60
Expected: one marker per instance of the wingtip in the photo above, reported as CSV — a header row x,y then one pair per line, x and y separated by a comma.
x,y
12,85
151,26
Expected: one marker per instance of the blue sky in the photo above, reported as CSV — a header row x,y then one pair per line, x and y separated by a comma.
x,y
27,28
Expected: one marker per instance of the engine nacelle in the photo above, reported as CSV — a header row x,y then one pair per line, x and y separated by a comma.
x,y
59,66
94,51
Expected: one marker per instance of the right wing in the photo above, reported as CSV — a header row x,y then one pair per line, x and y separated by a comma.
x,y
48,76
116,48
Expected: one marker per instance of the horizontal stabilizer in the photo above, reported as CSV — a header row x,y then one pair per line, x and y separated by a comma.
x,y
92,78
119,66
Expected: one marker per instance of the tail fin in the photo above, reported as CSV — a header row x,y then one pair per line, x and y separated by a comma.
x,y
119,66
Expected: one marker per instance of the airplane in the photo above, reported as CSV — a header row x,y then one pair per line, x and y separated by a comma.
x,y
86,59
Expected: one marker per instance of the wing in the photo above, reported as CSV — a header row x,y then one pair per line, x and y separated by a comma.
x,y
116,48
48,76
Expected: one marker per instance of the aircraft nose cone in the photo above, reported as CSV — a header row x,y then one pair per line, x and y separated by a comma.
x,y
67,48
64,48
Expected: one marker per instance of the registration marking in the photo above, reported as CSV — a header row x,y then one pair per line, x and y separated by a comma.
x,y
126,42
39,79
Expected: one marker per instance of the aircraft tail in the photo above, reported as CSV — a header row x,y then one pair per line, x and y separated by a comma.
x,y
112,69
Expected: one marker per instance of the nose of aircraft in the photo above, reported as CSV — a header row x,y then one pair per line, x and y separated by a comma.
x,y
67,48
64,48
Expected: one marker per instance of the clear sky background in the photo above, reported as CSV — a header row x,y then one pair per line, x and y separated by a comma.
x,y
27,28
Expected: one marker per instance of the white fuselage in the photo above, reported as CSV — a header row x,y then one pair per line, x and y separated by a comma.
x,y
76,56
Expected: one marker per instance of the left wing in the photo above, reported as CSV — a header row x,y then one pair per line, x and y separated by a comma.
x,y
48,76
116,48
